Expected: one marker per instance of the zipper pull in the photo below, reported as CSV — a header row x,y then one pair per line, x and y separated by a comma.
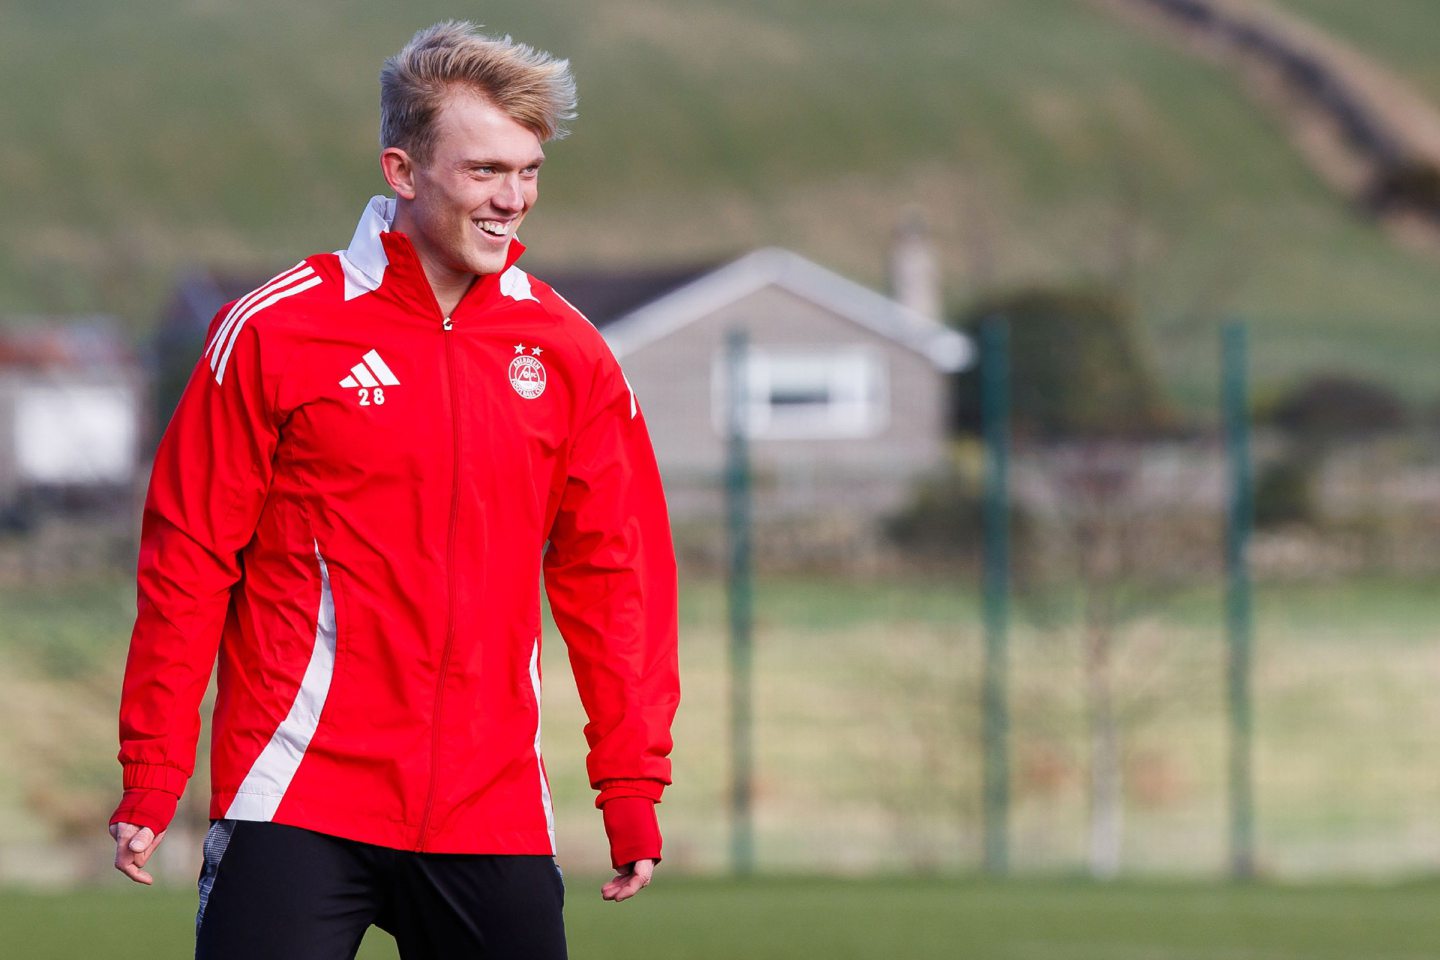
x,y
448,324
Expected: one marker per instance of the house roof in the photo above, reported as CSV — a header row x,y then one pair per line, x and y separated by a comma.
x,y
945,348
605,296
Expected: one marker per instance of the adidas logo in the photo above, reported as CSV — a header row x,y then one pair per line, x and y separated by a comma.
x,y
371,371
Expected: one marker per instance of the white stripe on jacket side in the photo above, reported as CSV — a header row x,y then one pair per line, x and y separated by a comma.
x,y
264,786
540,763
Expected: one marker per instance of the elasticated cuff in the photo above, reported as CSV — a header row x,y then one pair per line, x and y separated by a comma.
x,y
146,807
633,829
154,776
615,789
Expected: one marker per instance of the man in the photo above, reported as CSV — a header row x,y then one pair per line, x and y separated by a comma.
x,y
375,458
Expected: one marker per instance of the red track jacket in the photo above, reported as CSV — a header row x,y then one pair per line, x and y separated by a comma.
x,y
352,505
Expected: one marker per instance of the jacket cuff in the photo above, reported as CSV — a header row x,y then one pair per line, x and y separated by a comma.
x,y
154,776
146,807
615,789
633,830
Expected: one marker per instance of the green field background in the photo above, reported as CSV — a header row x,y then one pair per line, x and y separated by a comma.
x,y
867,732
784,919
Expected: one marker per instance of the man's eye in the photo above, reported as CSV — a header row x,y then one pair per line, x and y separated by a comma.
x,y
485,171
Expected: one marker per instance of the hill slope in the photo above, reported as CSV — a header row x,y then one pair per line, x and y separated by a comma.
x,y
1400,32
1044,140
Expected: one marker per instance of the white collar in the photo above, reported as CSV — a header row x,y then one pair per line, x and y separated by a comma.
x,y
364,261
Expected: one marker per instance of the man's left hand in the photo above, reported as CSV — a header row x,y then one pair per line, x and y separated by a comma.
x,y
629,881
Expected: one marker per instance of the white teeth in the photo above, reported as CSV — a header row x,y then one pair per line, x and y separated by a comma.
x,y
493,227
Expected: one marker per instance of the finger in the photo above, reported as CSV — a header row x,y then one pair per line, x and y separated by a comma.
x,y
135,873
623,887
122,855
149,851
142,840
633,884
621,874
125,863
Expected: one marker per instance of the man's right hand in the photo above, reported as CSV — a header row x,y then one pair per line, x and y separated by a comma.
x,y
133,847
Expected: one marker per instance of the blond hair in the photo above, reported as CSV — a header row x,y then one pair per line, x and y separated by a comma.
x,y
531,86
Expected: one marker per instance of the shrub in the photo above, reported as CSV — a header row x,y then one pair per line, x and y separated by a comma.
x,y
1337,405
1077,366
1285,492
945,518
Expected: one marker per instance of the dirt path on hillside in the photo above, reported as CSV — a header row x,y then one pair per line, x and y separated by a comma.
x,y
1363,129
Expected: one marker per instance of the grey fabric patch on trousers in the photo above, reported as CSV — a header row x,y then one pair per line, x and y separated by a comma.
x,y
217,838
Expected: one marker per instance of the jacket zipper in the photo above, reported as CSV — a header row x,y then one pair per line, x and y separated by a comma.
x,y
446,326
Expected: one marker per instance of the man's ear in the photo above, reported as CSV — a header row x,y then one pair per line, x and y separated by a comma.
x,y
399,172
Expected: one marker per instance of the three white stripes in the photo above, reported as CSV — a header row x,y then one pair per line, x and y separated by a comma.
x,y
375,375
297,279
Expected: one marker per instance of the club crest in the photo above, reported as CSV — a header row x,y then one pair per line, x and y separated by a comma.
x,y
527,375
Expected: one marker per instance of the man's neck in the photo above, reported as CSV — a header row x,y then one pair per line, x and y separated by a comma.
x,y
448,285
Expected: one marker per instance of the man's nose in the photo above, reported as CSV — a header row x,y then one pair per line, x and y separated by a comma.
x,y
510,196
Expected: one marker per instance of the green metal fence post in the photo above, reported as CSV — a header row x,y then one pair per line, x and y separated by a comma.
x,y
738,527
1239,627
995,417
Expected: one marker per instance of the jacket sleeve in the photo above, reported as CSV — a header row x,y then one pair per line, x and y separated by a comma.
x,y
211,474
610,577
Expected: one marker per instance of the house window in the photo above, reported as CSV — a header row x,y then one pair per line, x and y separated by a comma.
x,y
805,393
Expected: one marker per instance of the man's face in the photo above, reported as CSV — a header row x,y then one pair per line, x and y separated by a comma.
x,y
481,179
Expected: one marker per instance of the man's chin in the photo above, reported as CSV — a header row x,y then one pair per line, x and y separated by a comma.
x,y
484,264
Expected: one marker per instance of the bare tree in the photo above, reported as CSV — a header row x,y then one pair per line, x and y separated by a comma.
x,y
1110,564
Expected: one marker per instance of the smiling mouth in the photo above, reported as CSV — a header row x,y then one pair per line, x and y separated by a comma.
x,y
494,229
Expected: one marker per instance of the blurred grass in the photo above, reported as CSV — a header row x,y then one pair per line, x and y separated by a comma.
x,y
841,920
1046,141
867,729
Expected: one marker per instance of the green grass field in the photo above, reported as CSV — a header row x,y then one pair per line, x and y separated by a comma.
x,y
1046,140
867,732
849,920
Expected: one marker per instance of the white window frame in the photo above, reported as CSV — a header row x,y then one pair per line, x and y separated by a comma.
x,y
853,380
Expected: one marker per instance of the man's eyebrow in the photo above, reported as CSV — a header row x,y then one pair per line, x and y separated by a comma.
x,y
533,162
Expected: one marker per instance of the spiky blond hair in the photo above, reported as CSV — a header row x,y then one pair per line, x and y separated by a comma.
x,y
531,86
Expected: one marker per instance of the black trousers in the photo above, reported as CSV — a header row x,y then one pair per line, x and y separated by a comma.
x,y
282,893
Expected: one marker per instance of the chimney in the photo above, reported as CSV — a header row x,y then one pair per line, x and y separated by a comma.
x,y
914,274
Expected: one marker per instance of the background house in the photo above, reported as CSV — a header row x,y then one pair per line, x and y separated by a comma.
x,y
845,389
